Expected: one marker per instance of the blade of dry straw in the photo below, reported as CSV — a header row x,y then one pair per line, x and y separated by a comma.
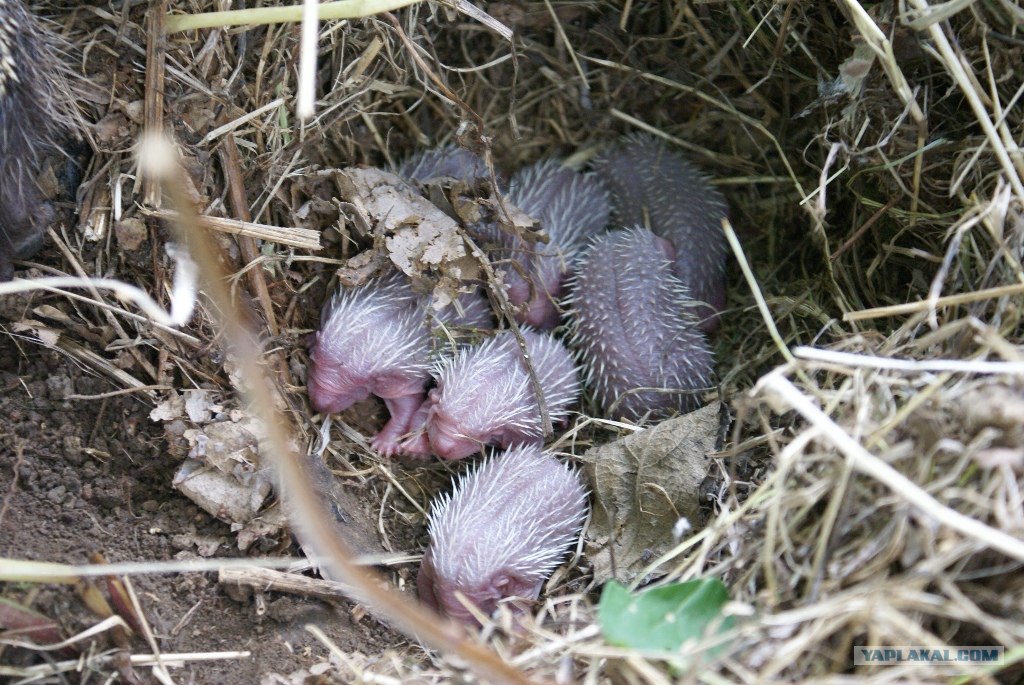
x,y
869,464
346,9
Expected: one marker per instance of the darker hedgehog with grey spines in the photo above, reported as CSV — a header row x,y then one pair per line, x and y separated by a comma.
x,y
34,120
654,187
635,328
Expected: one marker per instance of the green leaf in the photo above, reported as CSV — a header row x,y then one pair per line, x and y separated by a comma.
x,y
662,618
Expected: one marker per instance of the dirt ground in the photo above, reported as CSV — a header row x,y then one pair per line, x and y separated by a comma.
x,y
82,473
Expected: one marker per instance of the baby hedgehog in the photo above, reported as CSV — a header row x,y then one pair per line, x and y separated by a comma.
x,y
652,186
33,118
484,396
570,207
634,327
501,533
447,161
374,340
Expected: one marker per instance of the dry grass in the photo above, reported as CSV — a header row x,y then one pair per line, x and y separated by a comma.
x,y
875,184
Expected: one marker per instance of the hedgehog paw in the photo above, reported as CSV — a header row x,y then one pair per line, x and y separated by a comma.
x,y
386,445
417,445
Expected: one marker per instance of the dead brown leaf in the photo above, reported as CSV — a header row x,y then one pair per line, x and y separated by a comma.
x,y
642,485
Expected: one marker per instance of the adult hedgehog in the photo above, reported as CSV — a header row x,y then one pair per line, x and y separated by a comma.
x,y
34,118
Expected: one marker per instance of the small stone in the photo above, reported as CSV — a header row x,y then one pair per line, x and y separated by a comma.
x,y
131,233
57,494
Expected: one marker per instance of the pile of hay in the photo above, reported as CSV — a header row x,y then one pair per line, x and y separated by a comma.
x,y
870,488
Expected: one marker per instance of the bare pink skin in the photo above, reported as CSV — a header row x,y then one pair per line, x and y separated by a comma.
x,y
333,390
390,440
448,442
434,433
537,308
416,442
330,393
440,593
501,532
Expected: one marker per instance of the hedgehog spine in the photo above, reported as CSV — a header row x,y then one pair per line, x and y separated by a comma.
x,y
633,327
447,161
502,530
36,111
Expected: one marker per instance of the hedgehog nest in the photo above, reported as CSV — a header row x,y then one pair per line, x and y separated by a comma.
x,y
871,350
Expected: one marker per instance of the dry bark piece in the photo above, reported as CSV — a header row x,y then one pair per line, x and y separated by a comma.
x,y
420,239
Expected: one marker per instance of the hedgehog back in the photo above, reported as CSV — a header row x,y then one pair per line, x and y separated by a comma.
x,y
447,161
484,391
556,373
372,334
570,206
652,186
32,120
633,326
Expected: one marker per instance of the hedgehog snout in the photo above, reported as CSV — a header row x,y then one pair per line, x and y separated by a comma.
x,y
426,580
450,604
447,441
667,247
332,389
541,312
485,594
536,304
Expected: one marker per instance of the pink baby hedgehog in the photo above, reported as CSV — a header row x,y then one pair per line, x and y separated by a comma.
x,y
484,396
375,340
501,532
372,341
570,207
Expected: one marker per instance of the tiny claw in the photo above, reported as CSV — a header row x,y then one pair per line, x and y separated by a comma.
x,y
386,445
417,445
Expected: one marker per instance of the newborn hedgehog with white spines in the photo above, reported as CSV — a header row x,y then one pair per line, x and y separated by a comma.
x,y
33,120
484,396
501,532
374,340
